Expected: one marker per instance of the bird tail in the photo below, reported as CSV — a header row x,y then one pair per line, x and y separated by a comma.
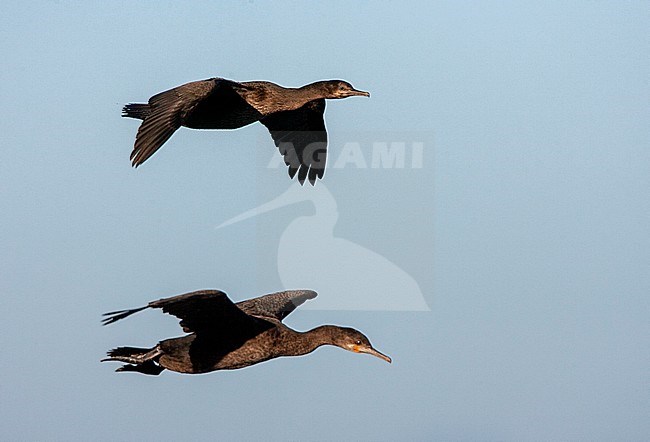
x,y
142,360
121,353
136,110
149,367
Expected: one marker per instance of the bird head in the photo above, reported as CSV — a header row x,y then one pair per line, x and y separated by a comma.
x,y
341,89
356,342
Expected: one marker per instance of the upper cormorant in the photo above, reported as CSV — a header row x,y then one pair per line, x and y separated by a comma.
x,y
225,336
293,116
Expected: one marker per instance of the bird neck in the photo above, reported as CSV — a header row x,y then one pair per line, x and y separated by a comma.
x,y
312,91
310,340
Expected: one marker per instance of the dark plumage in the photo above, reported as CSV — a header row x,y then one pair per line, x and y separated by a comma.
x,y
224,336
294,117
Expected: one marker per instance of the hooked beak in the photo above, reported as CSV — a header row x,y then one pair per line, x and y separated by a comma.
x,y
372,351
361,93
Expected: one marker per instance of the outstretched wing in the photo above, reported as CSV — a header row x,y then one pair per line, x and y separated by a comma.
x,y
276,305
301,137
165,114
203,312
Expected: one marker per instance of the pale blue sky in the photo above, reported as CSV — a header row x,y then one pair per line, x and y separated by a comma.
x,y
527,228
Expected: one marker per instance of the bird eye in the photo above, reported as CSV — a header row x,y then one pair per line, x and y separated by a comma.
x,y
358,342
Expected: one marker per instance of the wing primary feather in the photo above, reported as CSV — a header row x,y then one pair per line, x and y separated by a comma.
x,y
115,316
